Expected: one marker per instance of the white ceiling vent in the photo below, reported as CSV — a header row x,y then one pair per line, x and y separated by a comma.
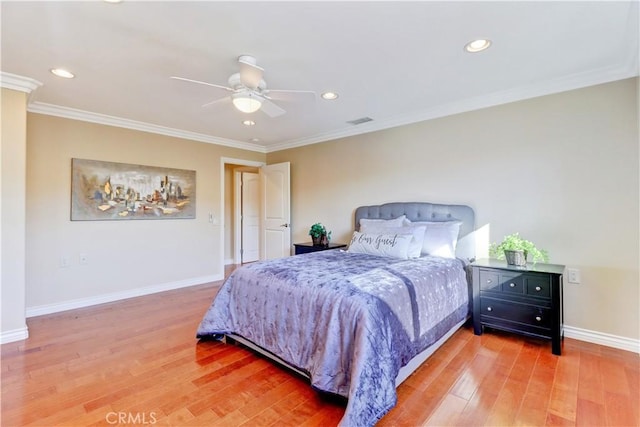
x,y
360,120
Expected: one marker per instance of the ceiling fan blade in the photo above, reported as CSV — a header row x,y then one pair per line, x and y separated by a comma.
x,y
292,91
291,95
271,109
216,101
202,83
250,73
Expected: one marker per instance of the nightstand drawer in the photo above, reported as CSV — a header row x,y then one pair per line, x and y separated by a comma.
x,y
515,312
489,281
512,283
494,281
538,286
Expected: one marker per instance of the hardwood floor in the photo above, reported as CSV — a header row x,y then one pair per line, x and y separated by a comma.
x,y
137,362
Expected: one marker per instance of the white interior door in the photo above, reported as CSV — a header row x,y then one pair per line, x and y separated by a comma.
x,y
275,212
250,217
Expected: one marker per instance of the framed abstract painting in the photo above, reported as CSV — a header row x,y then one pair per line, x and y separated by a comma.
x,y
120,191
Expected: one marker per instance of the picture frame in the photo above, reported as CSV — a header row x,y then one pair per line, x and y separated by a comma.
x,y
103,190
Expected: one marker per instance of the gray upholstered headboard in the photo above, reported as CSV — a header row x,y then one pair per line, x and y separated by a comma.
x,y
419,211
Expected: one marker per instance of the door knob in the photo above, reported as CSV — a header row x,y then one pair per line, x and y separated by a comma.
x,y
284,225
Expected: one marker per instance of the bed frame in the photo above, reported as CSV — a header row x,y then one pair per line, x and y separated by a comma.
x,y
415,211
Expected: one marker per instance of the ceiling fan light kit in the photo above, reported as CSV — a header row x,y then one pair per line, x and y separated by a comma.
x,y
246,102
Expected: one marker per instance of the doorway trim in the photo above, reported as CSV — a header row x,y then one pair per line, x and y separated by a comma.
x,y
223,162
238,211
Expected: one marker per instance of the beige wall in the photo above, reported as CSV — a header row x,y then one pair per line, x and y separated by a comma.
x,y
561,169
13,143
123,256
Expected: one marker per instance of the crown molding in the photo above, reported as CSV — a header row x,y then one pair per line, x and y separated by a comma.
x,y
19,83
572,82
549,87
103,119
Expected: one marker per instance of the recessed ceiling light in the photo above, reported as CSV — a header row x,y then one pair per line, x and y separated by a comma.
x,y
477,45
112,1
255,139
60,72
248,122
329,95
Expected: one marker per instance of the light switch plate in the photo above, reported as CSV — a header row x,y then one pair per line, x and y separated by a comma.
x,y
573,275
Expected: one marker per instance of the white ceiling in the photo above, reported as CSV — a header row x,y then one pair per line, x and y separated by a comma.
x,y
395,62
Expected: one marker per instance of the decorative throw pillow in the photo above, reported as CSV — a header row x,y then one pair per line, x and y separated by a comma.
x,y
416,231
396,222
390,245
441,238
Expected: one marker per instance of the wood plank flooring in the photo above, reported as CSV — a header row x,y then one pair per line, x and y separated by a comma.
x,y
137,362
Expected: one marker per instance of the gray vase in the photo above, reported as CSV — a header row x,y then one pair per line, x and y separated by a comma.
x,y
518,258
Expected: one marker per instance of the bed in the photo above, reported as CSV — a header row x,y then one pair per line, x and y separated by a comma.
x,y
356,323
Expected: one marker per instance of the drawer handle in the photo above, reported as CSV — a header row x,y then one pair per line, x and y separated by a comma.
x,y
538,288
488,280
512,285
538,318
489,309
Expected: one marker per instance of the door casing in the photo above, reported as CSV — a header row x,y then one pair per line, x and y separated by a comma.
x,y
242,162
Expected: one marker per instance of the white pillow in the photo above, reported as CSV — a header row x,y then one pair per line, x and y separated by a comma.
x,y
396,222
416,231
390,245
441,238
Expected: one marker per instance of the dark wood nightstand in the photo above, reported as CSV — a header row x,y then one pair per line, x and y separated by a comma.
x,y
525,300
303,248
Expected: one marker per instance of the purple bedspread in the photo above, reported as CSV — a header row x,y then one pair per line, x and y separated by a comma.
x,y
351,321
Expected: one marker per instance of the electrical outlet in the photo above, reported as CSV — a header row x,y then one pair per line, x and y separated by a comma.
x,y
573,275
84,260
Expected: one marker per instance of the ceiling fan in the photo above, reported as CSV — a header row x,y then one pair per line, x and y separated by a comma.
x,y
249,91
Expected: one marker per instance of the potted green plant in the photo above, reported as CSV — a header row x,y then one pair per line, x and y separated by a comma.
x,y
517,250
319,235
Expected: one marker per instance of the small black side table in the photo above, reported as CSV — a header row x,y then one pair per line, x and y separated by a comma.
x,y
303,248
526,300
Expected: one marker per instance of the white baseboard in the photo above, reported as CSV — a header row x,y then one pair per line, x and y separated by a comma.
x,y
14,335
229,261
116,296
622,343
